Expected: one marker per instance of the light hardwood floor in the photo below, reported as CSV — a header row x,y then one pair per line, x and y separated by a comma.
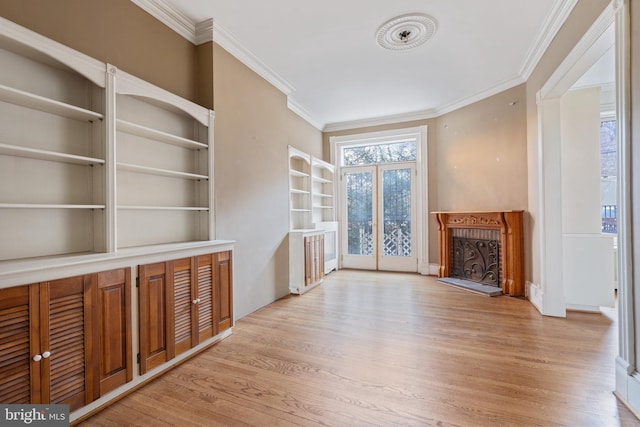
x,y
382,349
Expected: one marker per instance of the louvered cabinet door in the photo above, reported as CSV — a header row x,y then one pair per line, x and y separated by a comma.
x,y
16,336
224,290
182,306
153,315
66,316
113,330
206,325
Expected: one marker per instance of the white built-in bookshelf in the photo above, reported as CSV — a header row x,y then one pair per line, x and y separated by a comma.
x,y
93,159
312,213
299,189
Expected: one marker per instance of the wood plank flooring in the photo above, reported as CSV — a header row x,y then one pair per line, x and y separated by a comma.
x,y
386,349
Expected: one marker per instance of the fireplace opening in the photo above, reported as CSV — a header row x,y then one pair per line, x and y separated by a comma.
x,y
476,259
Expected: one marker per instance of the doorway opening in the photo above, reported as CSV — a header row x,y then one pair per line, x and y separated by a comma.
x,y
578,262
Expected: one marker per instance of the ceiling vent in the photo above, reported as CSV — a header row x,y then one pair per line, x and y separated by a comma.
x,y
406,31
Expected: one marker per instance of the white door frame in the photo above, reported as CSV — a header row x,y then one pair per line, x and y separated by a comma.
x,y
377,260
551,299
419,133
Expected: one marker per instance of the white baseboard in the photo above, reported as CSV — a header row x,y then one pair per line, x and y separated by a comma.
x,y
585,308
433,269
534,295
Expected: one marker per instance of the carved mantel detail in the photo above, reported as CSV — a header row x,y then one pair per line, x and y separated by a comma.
x,y
473,220
509,223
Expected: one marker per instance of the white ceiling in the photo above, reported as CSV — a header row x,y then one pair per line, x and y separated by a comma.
x,y
324,55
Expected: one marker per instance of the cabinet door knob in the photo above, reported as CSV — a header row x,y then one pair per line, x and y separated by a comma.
x,y
37,358
46,354
195,301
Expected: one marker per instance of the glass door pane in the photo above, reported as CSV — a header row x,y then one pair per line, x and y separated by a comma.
x,y
358,230
397,207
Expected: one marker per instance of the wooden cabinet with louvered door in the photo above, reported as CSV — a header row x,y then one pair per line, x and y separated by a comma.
x,y
205,323
65,341
45,350
224,290
66,322
16,382
181,306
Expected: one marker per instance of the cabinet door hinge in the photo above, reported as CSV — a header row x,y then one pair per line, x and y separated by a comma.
x,y
137,282
138,357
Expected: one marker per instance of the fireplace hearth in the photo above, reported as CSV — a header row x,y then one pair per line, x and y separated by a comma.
x,y
483,247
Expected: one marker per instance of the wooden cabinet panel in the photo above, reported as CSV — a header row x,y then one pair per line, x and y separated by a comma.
x,y
183,302
206,326
66,317
224,290
113,330
15,349
61,340
313,258
152,312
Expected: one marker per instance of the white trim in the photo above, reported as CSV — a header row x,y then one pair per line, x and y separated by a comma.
x,y
627,386
128,84
32,270
419,133
111,221
204,32
534,295
85,65
139,380
548,31
300,111
581,57
231,44
209,30
433,269
585,308
425,114
169,16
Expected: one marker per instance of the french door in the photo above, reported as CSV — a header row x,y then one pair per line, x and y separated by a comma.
x,y
379,217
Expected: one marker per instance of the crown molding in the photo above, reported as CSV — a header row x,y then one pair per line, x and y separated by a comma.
x,y
424,114
584,54
204,31
170,17
300,111
230,43
548,31
207,31
493,90
381,120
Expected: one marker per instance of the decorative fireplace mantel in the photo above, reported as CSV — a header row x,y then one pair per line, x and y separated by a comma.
x,y
509,224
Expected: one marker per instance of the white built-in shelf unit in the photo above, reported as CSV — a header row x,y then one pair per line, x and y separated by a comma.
x,y
93,159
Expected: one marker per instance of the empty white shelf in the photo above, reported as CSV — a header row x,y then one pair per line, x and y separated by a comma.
x,y
37,102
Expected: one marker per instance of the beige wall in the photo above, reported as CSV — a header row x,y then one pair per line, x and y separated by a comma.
x,y
114,31
477,157
252,132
